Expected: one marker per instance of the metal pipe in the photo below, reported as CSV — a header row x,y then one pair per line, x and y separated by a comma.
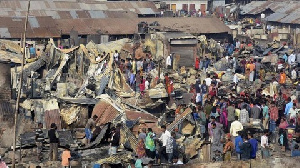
x,y
19,89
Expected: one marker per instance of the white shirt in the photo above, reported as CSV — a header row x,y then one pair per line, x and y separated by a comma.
x,y
235,78
164,137
146,85
208,81
116,56
235,127
291,59
294,74
168,61
237,44
293,113
264,141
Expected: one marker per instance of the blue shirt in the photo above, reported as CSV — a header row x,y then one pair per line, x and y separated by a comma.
x,y
204,89
285,58
254,145
32,50
288,107
238,142
295,153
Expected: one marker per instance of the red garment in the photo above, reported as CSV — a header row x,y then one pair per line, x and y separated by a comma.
x,y
170,87
213,93
167,80
273,113
197,62
283,125
142,85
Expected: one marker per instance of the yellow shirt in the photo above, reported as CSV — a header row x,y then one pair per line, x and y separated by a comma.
x,y
237,112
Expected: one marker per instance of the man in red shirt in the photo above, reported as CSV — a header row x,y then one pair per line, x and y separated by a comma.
x,y
273,116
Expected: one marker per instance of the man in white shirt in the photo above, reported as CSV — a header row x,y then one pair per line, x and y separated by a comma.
x,y
235,127
235,79
116,56
163,138
265,153
169,62
208,80
292,59
294,75
147,84
237,44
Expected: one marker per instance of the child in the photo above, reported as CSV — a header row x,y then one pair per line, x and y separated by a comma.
x,y
65,157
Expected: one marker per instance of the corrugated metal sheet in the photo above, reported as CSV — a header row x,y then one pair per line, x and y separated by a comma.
x,y
285,12
44,5
134,115
275,17
33,22
38,27
251,6
129,25
73,14
105,112
144,11
4,33
97,14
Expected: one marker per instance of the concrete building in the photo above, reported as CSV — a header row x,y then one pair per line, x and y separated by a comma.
x,y
187,5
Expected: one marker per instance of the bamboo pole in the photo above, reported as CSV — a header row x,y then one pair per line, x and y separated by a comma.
x,y
19,88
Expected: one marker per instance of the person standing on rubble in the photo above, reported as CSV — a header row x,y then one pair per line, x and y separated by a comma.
x,y
163,139
262,74
265,112
114,140
254,146
88,128
150,144
265,153
217,134
273,116
258,67
116,57
252,71
282,78
235,127
294,75
140,149
280,103
244,115
238,141
237,44
66,157
169,62
288,106
132,79
228,148
245,148
53,138
39,139
198,91
171,143
204,91
255,111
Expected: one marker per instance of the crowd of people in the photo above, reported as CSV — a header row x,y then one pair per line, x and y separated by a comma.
x,y
222,119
